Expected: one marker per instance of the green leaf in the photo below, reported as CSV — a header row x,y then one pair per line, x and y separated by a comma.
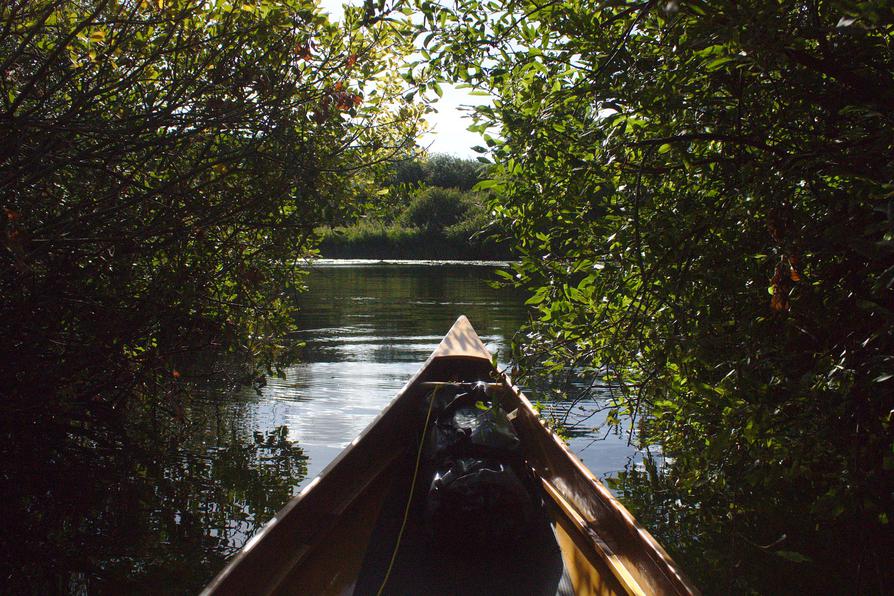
x,y
717,63
538,297
505,275
793,556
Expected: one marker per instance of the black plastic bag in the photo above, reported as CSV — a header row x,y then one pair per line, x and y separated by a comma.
x,y
469,425
476,497
476,503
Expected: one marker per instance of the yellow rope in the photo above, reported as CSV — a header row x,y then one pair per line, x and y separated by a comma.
x,y
410,498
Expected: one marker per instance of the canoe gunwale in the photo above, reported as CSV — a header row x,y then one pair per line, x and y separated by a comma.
x,y
237,575
607,515
602,549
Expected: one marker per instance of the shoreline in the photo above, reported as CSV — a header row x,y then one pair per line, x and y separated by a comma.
x,y
351,262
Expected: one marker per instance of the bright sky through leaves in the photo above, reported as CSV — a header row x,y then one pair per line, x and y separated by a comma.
x,y
448,125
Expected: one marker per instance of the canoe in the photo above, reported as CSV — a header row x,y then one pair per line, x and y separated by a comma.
x,y
351,530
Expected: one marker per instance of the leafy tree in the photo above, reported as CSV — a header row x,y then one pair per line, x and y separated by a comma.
x,y
703,193
163,164
412,175
408,172
449,171
436,208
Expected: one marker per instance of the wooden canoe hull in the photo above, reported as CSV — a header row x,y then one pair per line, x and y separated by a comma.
x,y
318,542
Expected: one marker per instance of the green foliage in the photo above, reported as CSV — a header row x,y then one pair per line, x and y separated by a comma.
x,y
367,239
470,238
436,208
449,171
410,176
163,165
365,231
665,165
146,507
409,172
426,210
476,224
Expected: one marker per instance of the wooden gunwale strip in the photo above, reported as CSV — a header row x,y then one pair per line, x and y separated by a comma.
x,y
661,560
441,384
233,567
321,532
460,343
293,545
603,550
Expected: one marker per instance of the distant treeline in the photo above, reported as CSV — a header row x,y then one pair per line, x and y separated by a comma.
x,y
428,209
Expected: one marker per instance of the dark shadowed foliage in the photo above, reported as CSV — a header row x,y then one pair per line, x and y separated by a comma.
x,y
162,167
703,193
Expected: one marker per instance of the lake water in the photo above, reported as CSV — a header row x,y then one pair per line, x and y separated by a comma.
x,y
369,326
167,499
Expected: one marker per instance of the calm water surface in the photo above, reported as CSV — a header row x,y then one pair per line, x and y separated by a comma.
x,y
369,326
164,512
367,329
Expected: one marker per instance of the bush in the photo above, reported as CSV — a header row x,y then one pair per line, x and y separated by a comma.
x,y
449,171
437,208
475,225
436,224
408,171
373,231
444,171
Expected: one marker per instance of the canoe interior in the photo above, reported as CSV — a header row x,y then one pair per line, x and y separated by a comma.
x,y
353,554
338,536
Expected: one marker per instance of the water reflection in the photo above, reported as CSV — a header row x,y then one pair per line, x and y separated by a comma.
x,y
159,503
155,505
368,327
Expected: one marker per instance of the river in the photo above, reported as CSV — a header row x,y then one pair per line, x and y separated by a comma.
x,y
168,497
369,326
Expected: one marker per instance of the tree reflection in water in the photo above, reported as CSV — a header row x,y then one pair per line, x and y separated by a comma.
x,y
731,539
148,504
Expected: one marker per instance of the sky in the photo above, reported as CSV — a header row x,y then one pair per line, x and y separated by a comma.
x,y
449,134
448,125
